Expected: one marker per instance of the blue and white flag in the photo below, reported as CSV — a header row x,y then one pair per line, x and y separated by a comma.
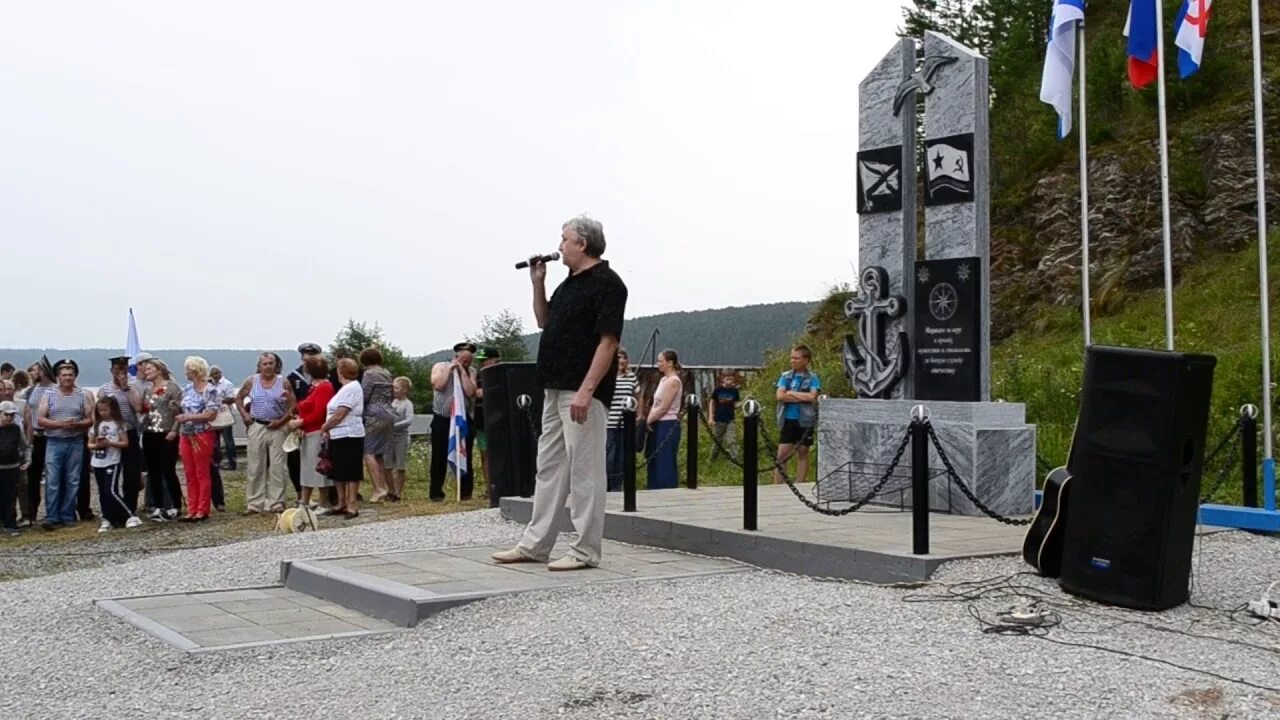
x,y
458,430
131,345
1060,60
1189,30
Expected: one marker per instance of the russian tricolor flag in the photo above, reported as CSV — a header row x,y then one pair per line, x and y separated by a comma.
x,y
458,430
1141,30
1189,31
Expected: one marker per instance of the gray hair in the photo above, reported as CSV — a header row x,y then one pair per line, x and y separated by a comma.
x,y
589,231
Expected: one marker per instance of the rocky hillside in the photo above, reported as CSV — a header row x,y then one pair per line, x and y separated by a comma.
x,y
1036,194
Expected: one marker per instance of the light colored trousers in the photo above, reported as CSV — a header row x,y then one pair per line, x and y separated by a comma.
x,y
570,467
268,468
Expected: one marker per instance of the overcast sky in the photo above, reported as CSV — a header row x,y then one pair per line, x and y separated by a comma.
x,y
251,174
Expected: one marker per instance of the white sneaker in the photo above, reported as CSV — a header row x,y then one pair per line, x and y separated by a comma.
x,y
133,522
105,526
157,515
171,514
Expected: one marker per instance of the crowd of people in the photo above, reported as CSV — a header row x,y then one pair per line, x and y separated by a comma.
x,y
658,417
322,428
326,425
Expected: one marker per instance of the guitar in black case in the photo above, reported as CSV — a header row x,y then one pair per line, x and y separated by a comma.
x,y
1042,547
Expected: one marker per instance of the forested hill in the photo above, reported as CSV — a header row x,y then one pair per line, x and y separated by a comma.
x,y
723,336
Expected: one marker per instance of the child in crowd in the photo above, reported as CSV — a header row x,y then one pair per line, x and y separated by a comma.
x,y
398,451
15,458
107,438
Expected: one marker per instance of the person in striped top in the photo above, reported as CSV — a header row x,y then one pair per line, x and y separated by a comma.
x,y
624,387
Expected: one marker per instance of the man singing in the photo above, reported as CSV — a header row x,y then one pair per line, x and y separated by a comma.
x,y
577,366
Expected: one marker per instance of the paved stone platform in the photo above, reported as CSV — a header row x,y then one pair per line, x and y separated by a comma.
x,y
240,618
872,544
405,587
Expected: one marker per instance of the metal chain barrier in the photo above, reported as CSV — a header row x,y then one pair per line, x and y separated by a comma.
x,y
954,477
732,458
1232,457
706,425
884,480
779,464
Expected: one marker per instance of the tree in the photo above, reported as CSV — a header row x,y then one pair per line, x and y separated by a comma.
x,y
355,337
505,332
964,21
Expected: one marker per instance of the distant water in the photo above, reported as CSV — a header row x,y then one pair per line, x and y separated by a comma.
x,y
95,369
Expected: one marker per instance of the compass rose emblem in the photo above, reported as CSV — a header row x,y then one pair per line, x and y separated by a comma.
x,y
943,301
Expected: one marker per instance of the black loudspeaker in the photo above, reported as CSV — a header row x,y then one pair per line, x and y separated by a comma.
x,y
1135,469
509,430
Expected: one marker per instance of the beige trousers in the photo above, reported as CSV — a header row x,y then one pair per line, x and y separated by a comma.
x,y
268,468
570,467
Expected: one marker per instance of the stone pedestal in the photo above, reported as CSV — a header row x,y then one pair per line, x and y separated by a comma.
x,y
991,446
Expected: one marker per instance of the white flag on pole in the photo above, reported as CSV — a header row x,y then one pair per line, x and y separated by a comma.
x,y
1060,60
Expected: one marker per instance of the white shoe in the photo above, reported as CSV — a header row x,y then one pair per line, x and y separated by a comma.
x,y
171,514
568,562
105,526
157,515
506,557
133,522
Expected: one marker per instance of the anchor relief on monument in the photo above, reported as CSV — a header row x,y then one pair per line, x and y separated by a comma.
x,y
871,364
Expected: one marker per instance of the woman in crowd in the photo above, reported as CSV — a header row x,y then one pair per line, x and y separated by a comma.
x,y
21,385
343,431
664,424
41,375
200,402
311,416
397,455
379,419
161,403
624,387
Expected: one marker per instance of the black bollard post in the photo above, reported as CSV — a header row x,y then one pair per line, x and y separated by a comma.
x,y
691,462
920,480
629,455
750,459
1249,454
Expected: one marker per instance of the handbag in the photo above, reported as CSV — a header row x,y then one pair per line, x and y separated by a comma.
x,y
324,465
224,419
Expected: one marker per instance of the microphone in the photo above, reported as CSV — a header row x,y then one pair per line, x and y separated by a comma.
x,y
540,259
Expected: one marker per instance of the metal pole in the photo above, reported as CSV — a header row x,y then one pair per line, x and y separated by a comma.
x,y
1082,130
1249,454
919,481
750,458
1260,150
1164,179
629,455
691,459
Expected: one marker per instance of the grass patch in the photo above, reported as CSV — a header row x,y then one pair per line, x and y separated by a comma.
x,y
231,526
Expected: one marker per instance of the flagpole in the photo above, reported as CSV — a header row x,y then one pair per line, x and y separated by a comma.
x,y
1268,463
1164,179
1084,189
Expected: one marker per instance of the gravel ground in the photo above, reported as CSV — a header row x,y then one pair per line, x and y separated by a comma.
x,y
752,645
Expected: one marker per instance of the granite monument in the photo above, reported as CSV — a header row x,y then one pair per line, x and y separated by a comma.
x,y
921,326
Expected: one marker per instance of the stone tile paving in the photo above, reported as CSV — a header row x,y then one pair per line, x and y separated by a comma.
x,y
230,619
782,516
449,571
